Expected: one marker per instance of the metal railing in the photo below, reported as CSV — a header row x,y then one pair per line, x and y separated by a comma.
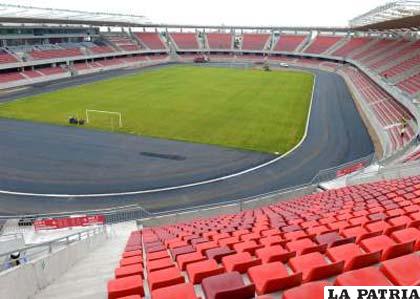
x,y
31,252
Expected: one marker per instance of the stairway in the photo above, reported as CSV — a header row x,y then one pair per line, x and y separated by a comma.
x,y
87,279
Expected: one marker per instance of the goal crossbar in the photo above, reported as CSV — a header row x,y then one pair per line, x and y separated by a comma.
x,y
105,112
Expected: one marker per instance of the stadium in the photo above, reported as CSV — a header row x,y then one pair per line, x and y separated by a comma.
x,y
176,161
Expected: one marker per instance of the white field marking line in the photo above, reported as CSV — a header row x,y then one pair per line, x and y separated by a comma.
x,y
185,185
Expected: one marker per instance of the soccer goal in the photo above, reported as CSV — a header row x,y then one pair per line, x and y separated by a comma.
x,y
99,116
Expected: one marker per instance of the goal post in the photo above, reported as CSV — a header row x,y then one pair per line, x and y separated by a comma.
x,y
111,113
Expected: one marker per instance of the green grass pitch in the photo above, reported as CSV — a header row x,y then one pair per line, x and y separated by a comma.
x,y
246,109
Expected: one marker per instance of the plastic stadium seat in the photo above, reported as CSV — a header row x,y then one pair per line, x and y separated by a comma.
x,y
312,290
131,260
131,297
202,247
239,262
295,235
356,231
377,226
305,245
407,235
200,270
132,253
159,264
272,240
314,266
178,291
369,276
229,241
248,246
403,271
274,253
227,286
165,278
129,270
127,286
181,250
332,239
157,255
250,236
353,256
400,221
339,225
272,277
185,259
219,252
389,248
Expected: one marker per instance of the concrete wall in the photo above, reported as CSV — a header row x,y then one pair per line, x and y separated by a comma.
x,y
26,280
224,209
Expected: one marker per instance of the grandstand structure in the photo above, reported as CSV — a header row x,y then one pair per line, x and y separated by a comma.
x,y
334,232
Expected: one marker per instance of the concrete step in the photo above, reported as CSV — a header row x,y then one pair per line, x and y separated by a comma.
x,y
88,278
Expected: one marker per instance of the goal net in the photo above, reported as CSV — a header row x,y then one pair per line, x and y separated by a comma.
x,y
104,118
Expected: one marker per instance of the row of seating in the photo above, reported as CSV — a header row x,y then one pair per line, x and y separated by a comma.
x,y
123,41
358,235
185,41
415,156
322,43
151,40
411,85
388,111
219,41
56,53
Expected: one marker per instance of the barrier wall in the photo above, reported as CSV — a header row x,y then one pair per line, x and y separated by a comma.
x,y
26,280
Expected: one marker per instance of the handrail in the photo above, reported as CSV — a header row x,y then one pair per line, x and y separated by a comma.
x,y
51,243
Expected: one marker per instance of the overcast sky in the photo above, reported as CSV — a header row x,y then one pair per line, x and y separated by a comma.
x,y
228,12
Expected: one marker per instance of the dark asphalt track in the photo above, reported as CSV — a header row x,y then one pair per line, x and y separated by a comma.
x,y
40,158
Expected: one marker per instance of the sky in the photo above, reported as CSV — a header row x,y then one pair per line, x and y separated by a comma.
x,y
227,12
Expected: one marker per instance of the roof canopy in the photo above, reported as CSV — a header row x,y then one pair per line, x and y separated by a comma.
x,y
401,14
28,14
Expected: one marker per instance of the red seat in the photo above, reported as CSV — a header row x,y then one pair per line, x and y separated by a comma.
x,y
202,247
181,250
305,245
357,232
229,241
314,266
165,278
200,270
389,248
353,256
272,277
132,253
400,221
219,252
227,286
185,259
407,235
377,226
369,276
272,240
178,291
403,271
274,254
129,270
312,290
127,286
159,264
157,255
239,262
248,246
131,260
332,239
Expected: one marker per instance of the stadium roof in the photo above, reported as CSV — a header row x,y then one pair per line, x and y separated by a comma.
x,y
401,14
27,14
